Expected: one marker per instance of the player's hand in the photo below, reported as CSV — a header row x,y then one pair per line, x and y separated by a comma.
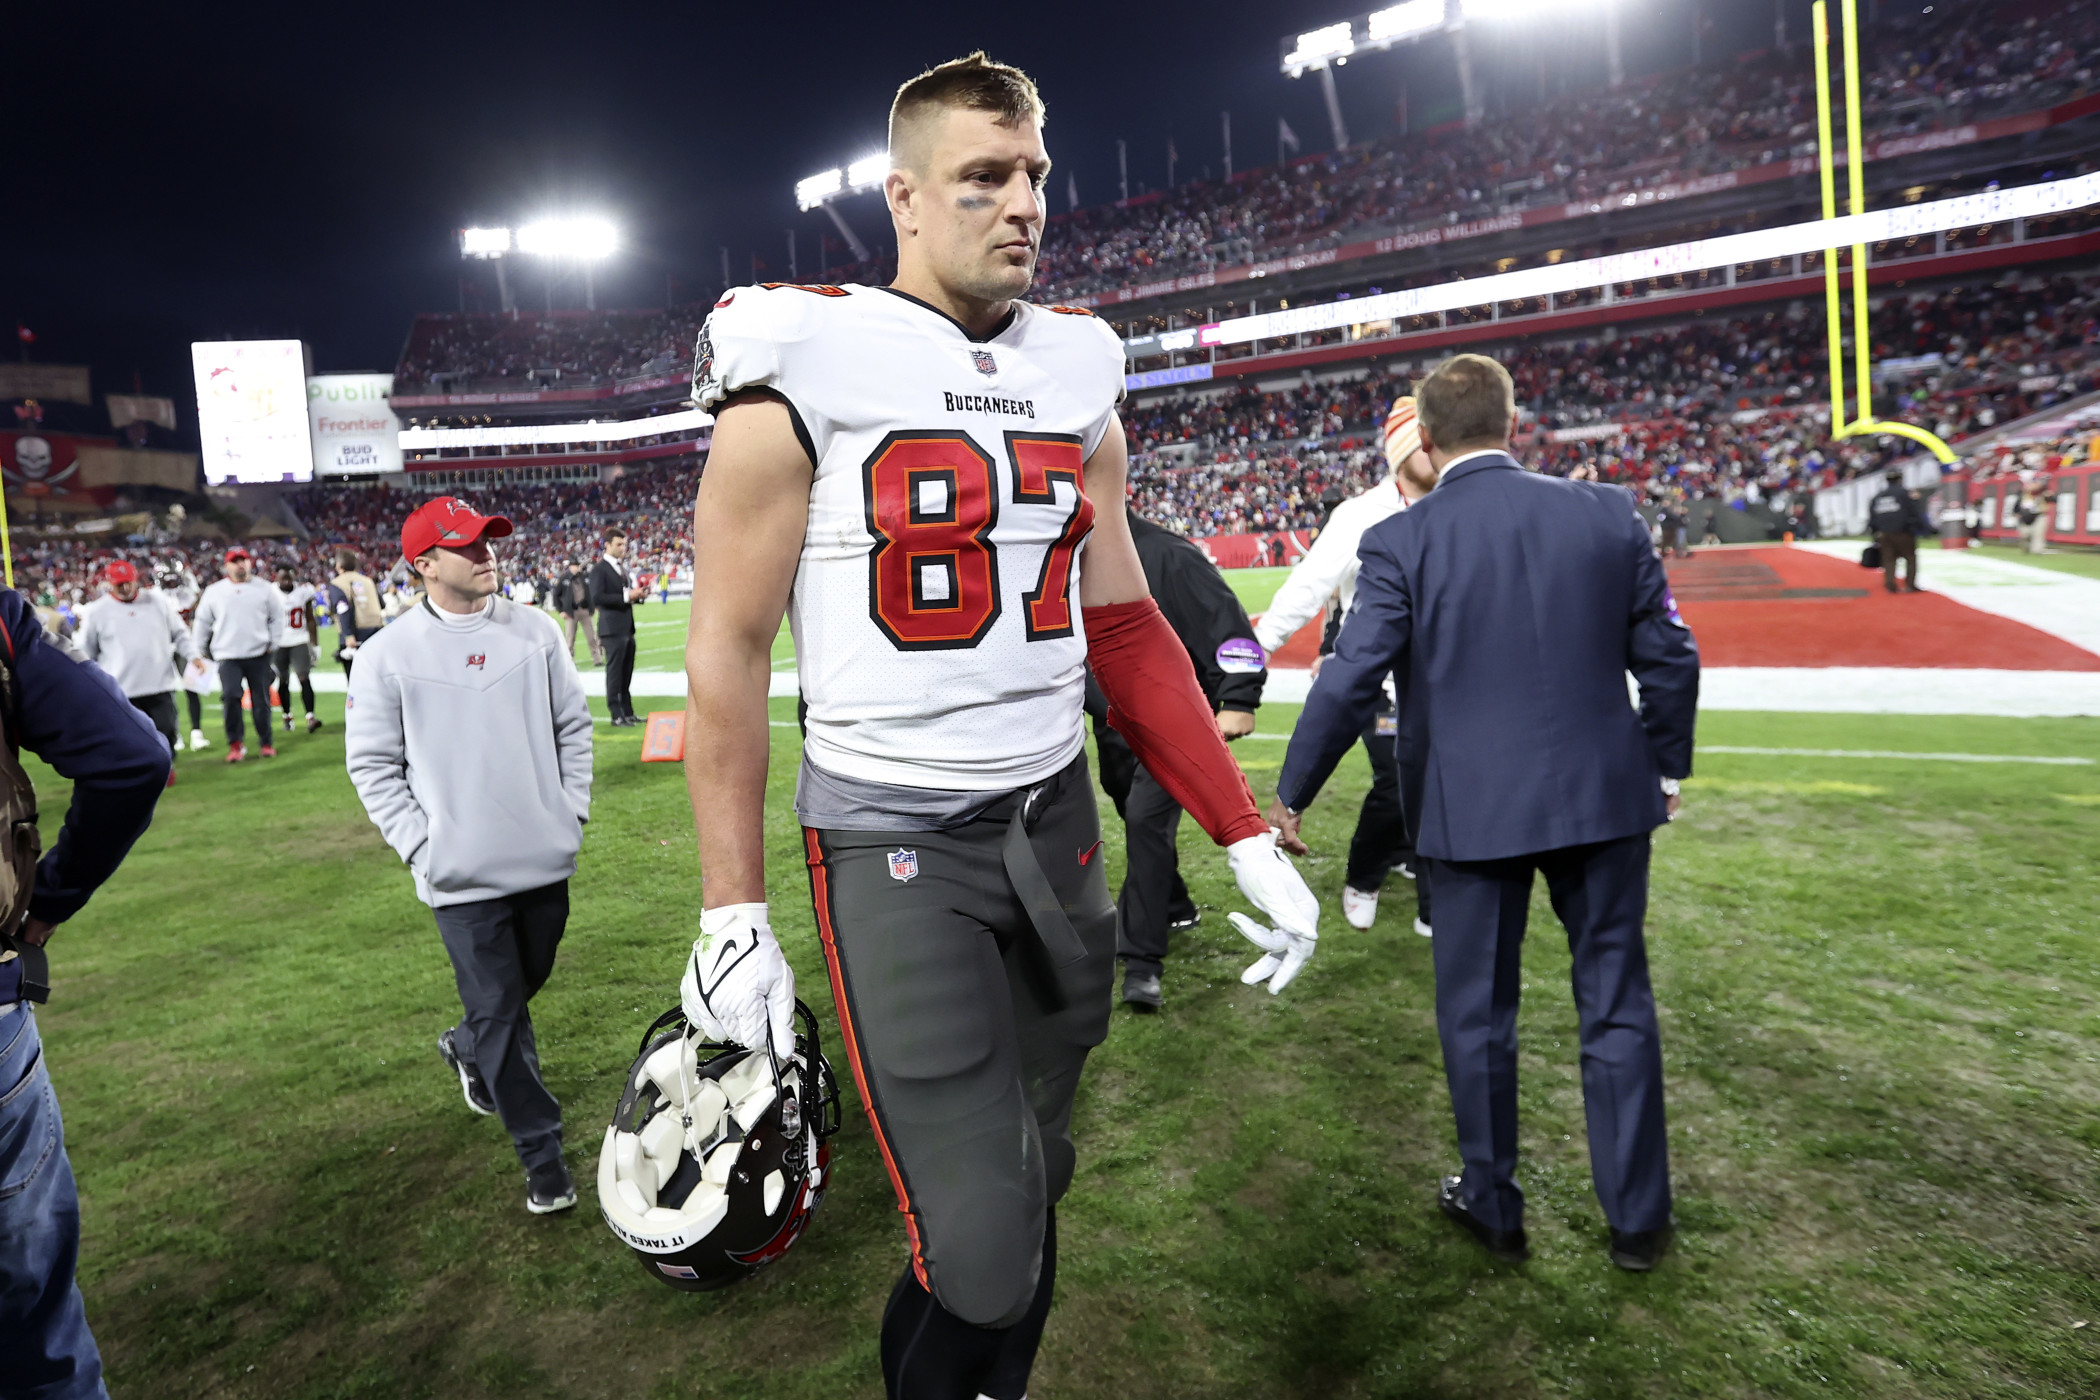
x,y
1273,885
36,932
1235,724
1317,663
1285,823
737,982
1672,805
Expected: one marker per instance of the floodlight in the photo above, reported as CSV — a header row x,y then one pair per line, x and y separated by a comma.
x,y
1333,42
1403,21
818,188
868,171
585,240
484,242
1519,9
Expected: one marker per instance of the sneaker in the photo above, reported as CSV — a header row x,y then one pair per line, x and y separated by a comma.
x,y
470,1082
198,741
236,751
267,752
1181,923
1359,907
1422,927
1140,989
313,724
1405,871
549,1189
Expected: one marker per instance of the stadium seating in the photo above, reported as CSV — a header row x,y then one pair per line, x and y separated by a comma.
x,y
1925,71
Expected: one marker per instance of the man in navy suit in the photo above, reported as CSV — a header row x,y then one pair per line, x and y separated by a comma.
x,y
1509,607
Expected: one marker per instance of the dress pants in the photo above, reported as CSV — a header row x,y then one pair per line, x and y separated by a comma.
x,y
161,710
502,951
259,674
619,675
46,1350
1600,892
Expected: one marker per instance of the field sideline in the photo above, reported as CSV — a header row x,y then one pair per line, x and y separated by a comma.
x,y
1880,1019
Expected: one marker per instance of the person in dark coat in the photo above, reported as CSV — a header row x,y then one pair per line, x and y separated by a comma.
x,y
1509,607
1897,520
614,594
1207,616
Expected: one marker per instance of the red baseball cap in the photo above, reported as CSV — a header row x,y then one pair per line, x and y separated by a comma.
x,y
237,553
121,571
447,521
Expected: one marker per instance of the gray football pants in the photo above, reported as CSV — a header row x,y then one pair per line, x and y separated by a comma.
x,y
965,1042
502,951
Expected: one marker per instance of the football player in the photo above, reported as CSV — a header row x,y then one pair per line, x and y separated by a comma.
x,y
296,646
928,478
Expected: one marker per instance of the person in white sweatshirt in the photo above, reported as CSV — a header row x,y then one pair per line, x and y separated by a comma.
x,y
136,636
469,742
238,620
1328,571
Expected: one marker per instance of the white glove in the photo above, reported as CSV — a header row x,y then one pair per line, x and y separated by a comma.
x,y
737,982
1273,885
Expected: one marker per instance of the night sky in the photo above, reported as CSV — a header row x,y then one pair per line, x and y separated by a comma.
x,y
194,172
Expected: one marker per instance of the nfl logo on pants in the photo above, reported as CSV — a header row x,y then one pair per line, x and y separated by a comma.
x,y
904,864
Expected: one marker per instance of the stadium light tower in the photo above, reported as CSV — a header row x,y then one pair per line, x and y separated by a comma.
x,y
1327,48
823,191
490,245
585,241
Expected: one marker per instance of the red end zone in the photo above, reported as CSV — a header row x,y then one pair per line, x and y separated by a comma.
x,y
1791,607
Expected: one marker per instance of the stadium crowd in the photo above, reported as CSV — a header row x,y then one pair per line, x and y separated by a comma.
x,y
1925,71
1727,410
551,350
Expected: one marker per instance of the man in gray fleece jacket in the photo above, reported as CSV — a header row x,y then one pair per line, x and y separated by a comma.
x,y
469,742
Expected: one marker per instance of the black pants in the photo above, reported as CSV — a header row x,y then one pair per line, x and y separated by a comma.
x,y
360,635
966,1043
1119,770
196,709
1600,893
1381,841
291,661
1898,549
619,674
255,670
161,710
502,950
1153,894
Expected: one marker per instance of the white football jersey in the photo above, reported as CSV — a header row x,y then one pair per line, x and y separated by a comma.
x,y
298,605
936,608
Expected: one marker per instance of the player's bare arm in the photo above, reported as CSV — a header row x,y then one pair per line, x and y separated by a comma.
x,y
749,517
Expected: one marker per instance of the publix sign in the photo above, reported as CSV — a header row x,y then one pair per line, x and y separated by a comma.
x,y
355,431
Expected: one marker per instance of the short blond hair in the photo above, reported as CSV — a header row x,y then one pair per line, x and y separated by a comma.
x,y
1466,403
972,83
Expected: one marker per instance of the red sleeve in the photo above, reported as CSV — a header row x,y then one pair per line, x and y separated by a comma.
x,y
1156,705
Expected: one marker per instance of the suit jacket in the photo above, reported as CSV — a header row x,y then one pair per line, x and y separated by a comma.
x,y
609,587
1509,607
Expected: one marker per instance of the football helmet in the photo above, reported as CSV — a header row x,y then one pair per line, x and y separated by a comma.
x,y
717,1155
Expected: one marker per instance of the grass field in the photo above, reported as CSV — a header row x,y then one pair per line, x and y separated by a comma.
x,y
1881,1022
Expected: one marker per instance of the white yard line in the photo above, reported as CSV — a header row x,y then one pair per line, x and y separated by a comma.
x,y
1906,757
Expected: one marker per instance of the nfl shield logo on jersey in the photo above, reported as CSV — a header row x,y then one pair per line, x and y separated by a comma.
x,y
986,365
904,865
